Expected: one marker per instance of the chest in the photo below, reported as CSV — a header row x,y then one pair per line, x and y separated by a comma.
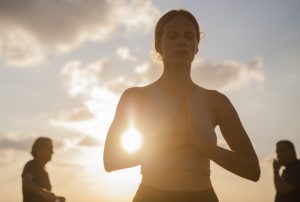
x,y
168,115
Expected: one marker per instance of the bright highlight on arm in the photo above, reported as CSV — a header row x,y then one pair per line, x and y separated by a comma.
x,y
131,139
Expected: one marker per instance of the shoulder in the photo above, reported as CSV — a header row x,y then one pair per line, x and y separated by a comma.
x,y
132,92
219,104
133,98
29,167
135,94
29,164
214,97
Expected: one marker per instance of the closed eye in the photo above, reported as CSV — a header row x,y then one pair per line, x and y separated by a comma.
x,y
172,35
190,35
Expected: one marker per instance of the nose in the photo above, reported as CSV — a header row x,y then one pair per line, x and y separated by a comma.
x,y
181,41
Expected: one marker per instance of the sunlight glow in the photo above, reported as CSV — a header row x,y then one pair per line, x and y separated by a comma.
x,y
131,139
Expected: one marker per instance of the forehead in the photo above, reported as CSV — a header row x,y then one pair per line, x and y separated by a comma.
x,y
179,23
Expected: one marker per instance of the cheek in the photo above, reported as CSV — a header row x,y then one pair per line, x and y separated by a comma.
x,y
195,47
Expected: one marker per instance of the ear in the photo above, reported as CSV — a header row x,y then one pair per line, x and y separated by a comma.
x,y
197,49
158,48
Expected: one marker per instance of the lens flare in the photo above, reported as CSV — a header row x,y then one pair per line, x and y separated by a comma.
x,y
131,139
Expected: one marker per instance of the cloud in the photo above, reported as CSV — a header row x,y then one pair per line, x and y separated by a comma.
x,y
139,15
74,115
23,142
142,74
80,79
19,48
119,85
88,141
30,29
125,54
228,75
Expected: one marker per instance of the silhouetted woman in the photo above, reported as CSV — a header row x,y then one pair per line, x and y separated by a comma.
x,y
177,118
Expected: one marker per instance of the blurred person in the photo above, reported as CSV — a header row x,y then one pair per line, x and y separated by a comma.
x,y
177,120
287,184
36,185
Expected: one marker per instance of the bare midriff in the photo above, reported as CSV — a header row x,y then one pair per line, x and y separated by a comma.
x,y
177,180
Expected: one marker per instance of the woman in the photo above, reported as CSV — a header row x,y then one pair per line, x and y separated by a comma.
x,y
177,119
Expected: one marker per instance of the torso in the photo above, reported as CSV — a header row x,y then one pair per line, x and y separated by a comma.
x,y
39,177
166,120
291,175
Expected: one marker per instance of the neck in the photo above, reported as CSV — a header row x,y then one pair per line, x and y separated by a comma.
x,y
176,77
40,162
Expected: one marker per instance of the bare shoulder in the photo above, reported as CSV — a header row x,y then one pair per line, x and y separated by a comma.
x,y
219,105
215,98
135,93
134,98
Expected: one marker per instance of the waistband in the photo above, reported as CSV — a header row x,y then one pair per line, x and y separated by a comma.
x,y
147,193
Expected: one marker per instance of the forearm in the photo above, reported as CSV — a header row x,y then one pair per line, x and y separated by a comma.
x,y
120,160
34,188
113,165
238,163
277,179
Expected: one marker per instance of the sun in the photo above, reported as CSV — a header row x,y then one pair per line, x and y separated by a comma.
x,y
131,139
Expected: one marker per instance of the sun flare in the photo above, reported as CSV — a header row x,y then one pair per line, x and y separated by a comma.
x,y
131,139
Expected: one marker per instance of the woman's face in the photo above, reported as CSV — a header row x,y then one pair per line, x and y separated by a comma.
x,y
284,154
178,44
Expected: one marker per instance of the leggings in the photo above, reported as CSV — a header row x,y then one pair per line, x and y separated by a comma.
x,y
147,193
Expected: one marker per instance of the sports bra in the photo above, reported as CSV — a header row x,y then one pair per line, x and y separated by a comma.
x,y
167,121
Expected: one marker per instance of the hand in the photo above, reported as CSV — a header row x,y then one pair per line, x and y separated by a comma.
x,y
60,198
49,196
276,165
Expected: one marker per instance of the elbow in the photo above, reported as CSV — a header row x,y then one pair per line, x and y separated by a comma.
x,y
109,164
108,167
254,170
255,175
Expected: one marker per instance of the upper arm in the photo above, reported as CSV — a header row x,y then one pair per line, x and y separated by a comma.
x,y
231,126
26,177
118,124
120,120
27,181
113,152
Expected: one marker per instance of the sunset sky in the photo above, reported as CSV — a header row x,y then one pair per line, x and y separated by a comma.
x,y
65,63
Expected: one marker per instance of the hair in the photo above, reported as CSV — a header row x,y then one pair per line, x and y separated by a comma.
x,y
166,18
289,144
38,144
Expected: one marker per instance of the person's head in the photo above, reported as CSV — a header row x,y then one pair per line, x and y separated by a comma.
x,y
285,152
177,35
42,149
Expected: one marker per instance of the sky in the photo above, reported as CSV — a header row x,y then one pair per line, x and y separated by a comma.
x,y
65,63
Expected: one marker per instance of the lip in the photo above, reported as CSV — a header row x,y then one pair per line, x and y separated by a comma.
x,y
181,52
